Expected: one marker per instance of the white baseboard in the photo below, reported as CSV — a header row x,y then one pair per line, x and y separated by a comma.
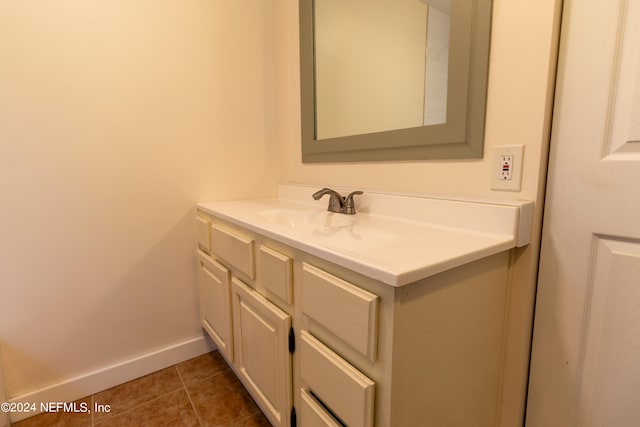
x,y
110,376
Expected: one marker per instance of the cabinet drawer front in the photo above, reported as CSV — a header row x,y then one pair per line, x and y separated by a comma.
x,y
346,391
347,311
312,414
203,233
262,355
214,288
275,273
233,248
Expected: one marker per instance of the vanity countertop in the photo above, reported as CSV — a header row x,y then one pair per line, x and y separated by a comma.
x,y
394,238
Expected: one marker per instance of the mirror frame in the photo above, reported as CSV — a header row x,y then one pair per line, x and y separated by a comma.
x,y
461,137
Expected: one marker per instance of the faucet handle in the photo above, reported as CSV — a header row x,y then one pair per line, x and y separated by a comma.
x,y
349,205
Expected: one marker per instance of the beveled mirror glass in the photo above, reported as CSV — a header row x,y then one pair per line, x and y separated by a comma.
x,y
393,79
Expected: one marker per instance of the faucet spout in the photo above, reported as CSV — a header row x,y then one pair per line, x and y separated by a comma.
x,y
334,194
336,202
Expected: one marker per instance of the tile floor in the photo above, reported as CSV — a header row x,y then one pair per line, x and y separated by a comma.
x,y
199,392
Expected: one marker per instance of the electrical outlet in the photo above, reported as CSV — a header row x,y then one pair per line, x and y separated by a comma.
x,y
506,168
506,174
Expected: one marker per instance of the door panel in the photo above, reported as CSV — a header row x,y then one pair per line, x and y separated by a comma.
x,y
610,370
585,367
622,140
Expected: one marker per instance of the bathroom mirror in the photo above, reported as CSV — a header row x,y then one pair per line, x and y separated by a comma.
x,y
393,79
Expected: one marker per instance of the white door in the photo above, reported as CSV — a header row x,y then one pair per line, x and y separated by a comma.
x,y
585,368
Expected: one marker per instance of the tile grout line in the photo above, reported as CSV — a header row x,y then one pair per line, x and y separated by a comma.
x,y
184,386
140,405
259,411
145,402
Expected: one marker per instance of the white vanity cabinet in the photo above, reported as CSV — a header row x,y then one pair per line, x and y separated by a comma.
x,y
363,353
251,332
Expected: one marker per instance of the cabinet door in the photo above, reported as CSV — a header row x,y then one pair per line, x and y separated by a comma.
x,y
263,361
214,282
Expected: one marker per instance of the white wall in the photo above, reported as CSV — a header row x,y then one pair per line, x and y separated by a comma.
x,y
116,117
521,79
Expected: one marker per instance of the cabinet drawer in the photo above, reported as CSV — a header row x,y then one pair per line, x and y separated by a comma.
x,y
347,392
233,248
275,273
214,288
347,311
312,414
203,233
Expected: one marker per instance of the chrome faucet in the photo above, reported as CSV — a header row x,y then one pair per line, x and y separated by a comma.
x,y
337,203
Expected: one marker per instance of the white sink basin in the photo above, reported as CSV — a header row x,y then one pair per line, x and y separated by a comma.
x,y
335,230
310,218
397,239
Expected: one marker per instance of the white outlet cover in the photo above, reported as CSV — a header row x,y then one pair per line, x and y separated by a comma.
x,y
515,183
